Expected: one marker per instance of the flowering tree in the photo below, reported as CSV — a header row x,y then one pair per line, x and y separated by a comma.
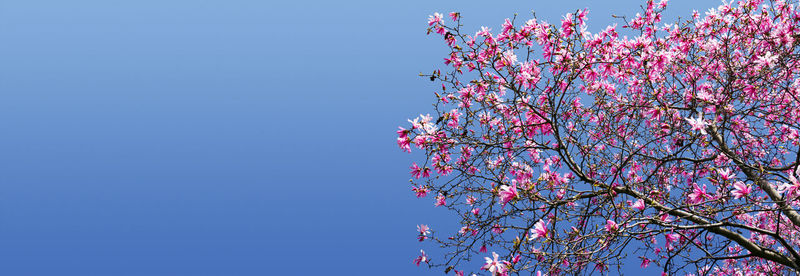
x,y
564,151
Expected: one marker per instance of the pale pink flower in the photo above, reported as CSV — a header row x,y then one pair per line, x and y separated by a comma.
x,y
471,200
767,60
496,267
539,230
435,18
742,190
424,231
697,124
791,189
507,193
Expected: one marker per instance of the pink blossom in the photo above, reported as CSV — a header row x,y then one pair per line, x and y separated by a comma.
x,y
454,16
422,258
404,144
495,266
507,193
698,195
435,18
497,229
424,231
420,191
611,226
697,124
566,24
415,170
539,230
638,205
741,190
767,60
726,174
440,200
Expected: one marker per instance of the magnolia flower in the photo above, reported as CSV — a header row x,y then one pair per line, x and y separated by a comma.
x,y
420,191
422,258
698,124
697,195
424,231
539,230
611,226
507,193
496,267
726,174
638,205
742,190
435,18
416,171
767,60
440,200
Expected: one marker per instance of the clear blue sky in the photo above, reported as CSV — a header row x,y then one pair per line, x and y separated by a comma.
x,y
222,137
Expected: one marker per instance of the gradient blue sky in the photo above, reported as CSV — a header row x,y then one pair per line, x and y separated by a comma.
x,y
223,137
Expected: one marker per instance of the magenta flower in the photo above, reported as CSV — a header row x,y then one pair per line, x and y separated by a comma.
x,y
507,193
697,195
422,258
742,190
726,174
638,205
420,191
415,170
611,226
440,200
454,16
539,230
497,229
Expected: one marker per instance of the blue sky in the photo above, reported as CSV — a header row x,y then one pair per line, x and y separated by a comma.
x,y
223,137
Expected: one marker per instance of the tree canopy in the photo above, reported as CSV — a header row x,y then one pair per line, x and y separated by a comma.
x,y
564,151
